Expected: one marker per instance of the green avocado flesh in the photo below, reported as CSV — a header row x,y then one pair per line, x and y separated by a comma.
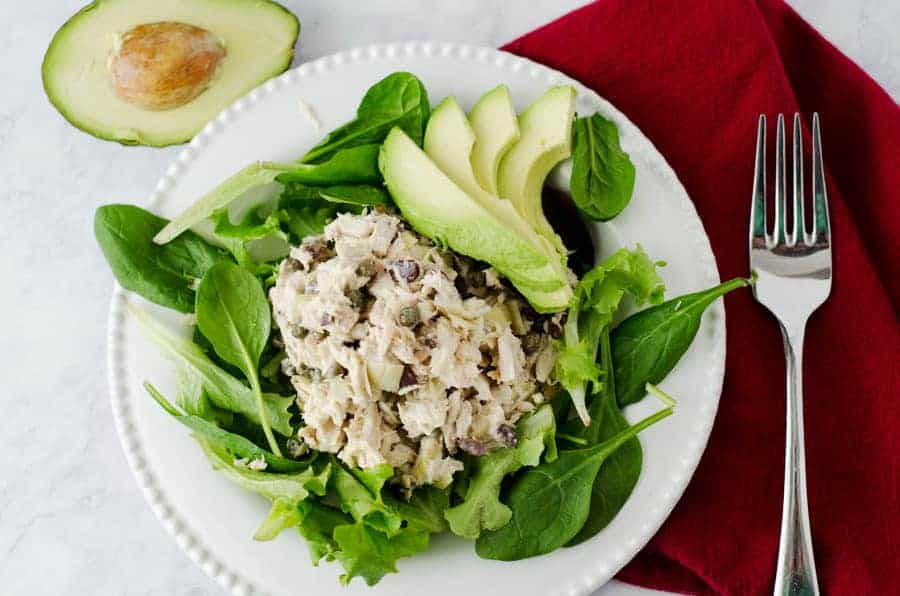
x,y
258,37
496,127
449,140
438,208
546,139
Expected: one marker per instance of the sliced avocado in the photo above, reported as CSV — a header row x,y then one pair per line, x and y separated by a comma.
x,y
441,210
154,73
546,140
496,127
449,139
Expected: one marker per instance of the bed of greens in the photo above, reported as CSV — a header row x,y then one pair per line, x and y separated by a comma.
x,y
574,461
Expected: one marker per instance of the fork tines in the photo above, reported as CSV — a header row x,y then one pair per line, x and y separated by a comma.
x,y
781,233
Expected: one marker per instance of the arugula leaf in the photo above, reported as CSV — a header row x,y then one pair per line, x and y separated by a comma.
x,y
316,524
647,345
165,275
192,398
602,179
597,296
399,99
481,508
550,502
367,553
353,165
620,472
233,313
295,486
223,390
238,446
285,491
359,492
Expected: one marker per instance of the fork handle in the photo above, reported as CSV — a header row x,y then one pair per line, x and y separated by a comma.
x,y
796,573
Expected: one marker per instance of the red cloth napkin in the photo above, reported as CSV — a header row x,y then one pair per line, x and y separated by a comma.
x,y
694,76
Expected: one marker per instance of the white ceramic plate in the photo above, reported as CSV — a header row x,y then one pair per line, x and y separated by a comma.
x,y
213,520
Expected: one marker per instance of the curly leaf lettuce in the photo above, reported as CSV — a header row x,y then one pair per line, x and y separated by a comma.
x,y
316,524
360,494
481,508
597,296
370,554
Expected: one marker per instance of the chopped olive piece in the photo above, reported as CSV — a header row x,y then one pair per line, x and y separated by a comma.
x,y
507,435
357,298
531,342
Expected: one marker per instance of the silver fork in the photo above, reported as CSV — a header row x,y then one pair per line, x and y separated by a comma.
x,y
793,268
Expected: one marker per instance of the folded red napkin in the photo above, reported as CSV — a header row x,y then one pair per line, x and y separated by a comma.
x,y
694,76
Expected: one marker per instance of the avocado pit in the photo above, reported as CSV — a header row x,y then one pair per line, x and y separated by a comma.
x,y
161,66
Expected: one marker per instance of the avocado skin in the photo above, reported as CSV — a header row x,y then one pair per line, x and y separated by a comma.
x,y
138,138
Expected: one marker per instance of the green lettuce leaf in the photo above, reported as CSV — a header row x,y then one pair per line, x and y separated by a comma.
x,y
370,554
236,445
399,99
316,524
602,179
425,509
224,390
165,275
597,296
285,491
360,495
481,508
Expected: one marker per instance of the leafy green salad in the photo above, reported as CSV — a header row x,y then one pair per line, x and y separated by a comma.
x,y
390,340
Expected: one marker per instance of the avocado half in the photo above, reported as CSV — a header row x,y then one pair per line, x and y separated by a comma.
x,y
154,72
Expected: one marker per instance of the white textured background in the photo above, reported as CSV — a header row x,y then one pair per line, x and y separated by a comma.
x,y
71,519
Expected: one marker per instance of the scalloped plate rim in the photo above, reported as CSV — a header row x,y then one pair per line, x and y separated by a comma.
x,y
231,579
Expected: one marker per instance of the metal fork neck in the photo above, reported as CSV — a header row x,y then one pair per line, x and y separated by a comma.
x,y
796,573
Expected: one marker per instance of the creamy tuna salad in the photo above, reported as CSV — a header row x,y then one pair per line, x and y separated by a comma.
x,y
403,353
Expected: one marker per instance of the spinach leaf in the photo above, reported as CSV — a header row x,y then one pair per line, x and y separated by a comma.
x,y
238,446
233,313
166,274
399,99
551,502
602,179
223,390
370,554
285,491
597,296
359,492
316,524
353,165
647,345
620,472
481,508
355,195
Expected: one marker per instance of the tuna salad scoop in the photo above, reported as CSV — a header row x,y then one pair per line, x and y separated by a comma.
x,y
404,353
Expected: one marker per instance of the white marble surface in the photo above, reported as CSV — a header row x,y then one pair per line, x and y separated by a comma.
x,y
71,518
